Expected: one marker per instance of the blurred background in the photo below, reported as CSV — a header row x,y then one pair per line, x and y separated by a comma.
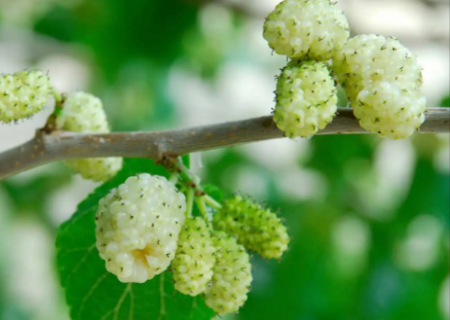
x,y
369,218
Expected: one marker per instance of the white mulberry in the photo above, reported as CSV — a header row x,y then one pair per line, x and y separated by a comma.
x,y
390,110
232,275
382,79
306,29
255,227
306,98
96,169
83,112
194,260
366,59
23,94
137,227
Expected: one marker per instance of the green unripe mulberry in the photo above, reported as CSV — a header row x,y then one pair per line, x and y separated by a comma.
x,y
23,94
306,99
194,259
232,275
255,227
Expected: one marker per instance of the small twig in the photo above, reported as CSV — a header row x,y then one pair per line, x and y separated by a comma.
x,y
200,201
211,202
189,202
45,148
59,98
174,177
190,180
51,126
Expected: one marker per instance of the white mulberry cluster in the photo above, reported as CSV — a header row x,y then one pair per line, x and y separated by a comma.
x,y
194,260
23,94
382,80
232,275
306,29
137,227
305,98
83,112
255,227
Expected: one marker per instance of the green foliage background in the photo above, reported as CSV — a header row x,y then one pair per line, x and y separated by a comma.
x,y
347,259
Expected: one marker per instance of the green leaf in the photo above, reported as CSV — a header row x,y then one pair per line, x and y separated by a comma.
x,y
445,102
186,160
95,294
149,30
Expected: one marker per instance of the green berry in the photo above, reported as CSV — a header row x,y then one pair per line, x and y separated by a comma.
x,y
383,81
83,112
306,99
137,227
306,29
255,227
23,94
232,275
194,260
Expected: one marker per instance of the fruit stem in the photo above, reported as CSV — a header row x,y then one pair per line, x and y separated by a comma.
x,y
203,210
193,190
59,98
189,202
191,180
174,176
211,202
50,125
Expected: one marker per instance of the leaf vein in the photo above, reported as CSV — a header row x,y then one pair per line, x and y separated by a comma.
x,y
78,249
130,316
82,260
162,309
91,290
120,302
63,229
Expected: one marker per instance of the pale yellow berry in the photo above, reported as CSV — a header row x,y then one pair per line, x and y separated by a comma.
x,y
306,29
194,260
83,112
96,169
367,59
23,94
232,275
390,110
383,80
137,227
306,99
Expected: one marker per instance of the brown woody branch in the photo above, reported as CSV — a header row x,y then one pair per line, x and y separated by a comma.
x,y
56,146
